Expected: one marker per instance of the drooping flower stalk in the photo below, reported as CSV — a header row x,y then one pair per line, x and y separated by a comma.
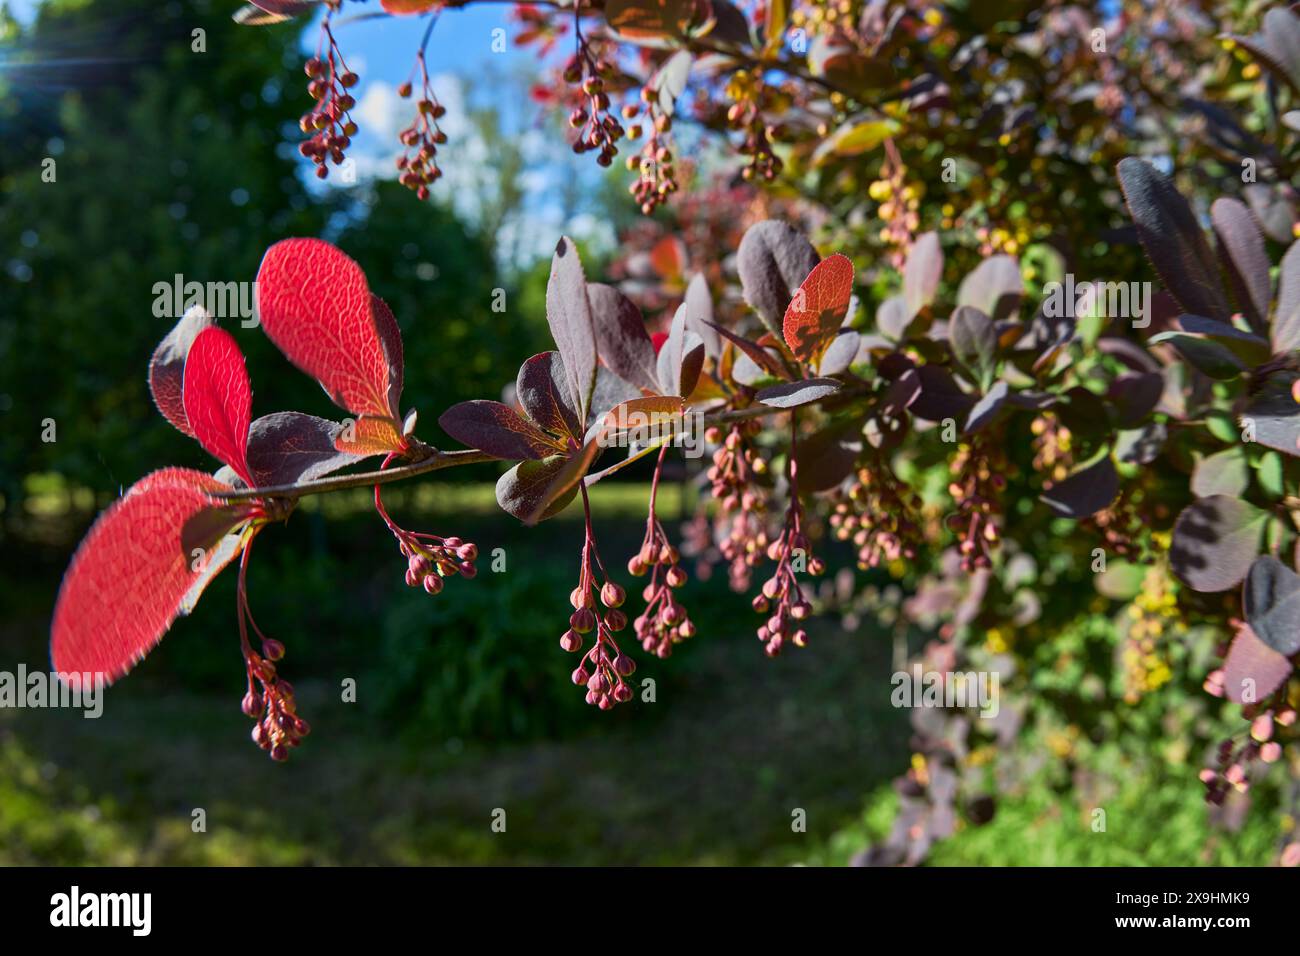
x,y
781,594
329,122
978,479
272,703
664,621
879,514
430,558
596,601
418,165
742,535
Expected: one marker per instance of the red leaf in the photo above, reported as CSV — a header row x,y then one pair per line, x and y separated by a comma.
x,y
218,400
167,366
657,339
315,305
818,308
406,8
370,436
498,430
390,337
669,258
124,585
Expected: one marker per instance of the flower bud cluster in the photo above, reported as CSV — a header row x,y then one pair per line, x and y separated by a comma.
x,y
740,528
878,514
978,478
329,122
418,165
598,129
664,622
656,176
597,610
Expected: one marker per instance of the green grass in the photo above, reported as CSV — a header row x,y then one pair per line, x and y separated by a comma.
x,y
464,709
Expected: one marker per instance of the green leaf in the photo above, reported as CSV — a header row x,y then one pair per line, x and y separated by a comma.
x,y
1223,473
1269,475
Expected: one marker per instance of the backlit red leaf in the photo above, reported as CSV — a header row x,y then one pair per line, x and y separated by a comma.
x,y
818,307
315,305
405,8
217,397
369,435
129,576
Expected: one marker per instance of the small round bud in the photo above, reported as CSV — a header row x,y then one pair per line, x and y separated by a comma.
x,y
612,595
433,584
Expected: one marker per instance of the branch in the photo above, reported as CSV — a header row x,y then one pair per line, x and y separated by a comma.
x,y
437,460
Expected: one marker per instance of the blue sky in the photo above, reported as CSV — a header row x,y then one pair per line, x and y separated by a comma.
x,y
467,72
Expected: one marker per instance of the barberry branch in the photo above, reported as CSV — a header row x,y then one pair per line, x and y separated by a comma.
x,y
434,460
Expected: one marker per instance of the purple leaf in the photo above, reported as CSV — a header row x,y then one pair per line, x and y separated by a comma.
x,y
772,260
892,319
1215,540
542,392
497,430
827,457
621,337
793,394
987,408
756,353
1241,247
526,487
167,367
1271,600
1286,321
699,314
1085,491
610,391
841,353
1252,671
1173,240
568,313
1274,415
940,397
285,448
921,274
1134,396
994,287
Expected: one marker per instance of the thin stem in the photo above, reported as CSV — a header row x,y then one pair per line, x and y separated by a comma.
x,y
438,460
654,482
